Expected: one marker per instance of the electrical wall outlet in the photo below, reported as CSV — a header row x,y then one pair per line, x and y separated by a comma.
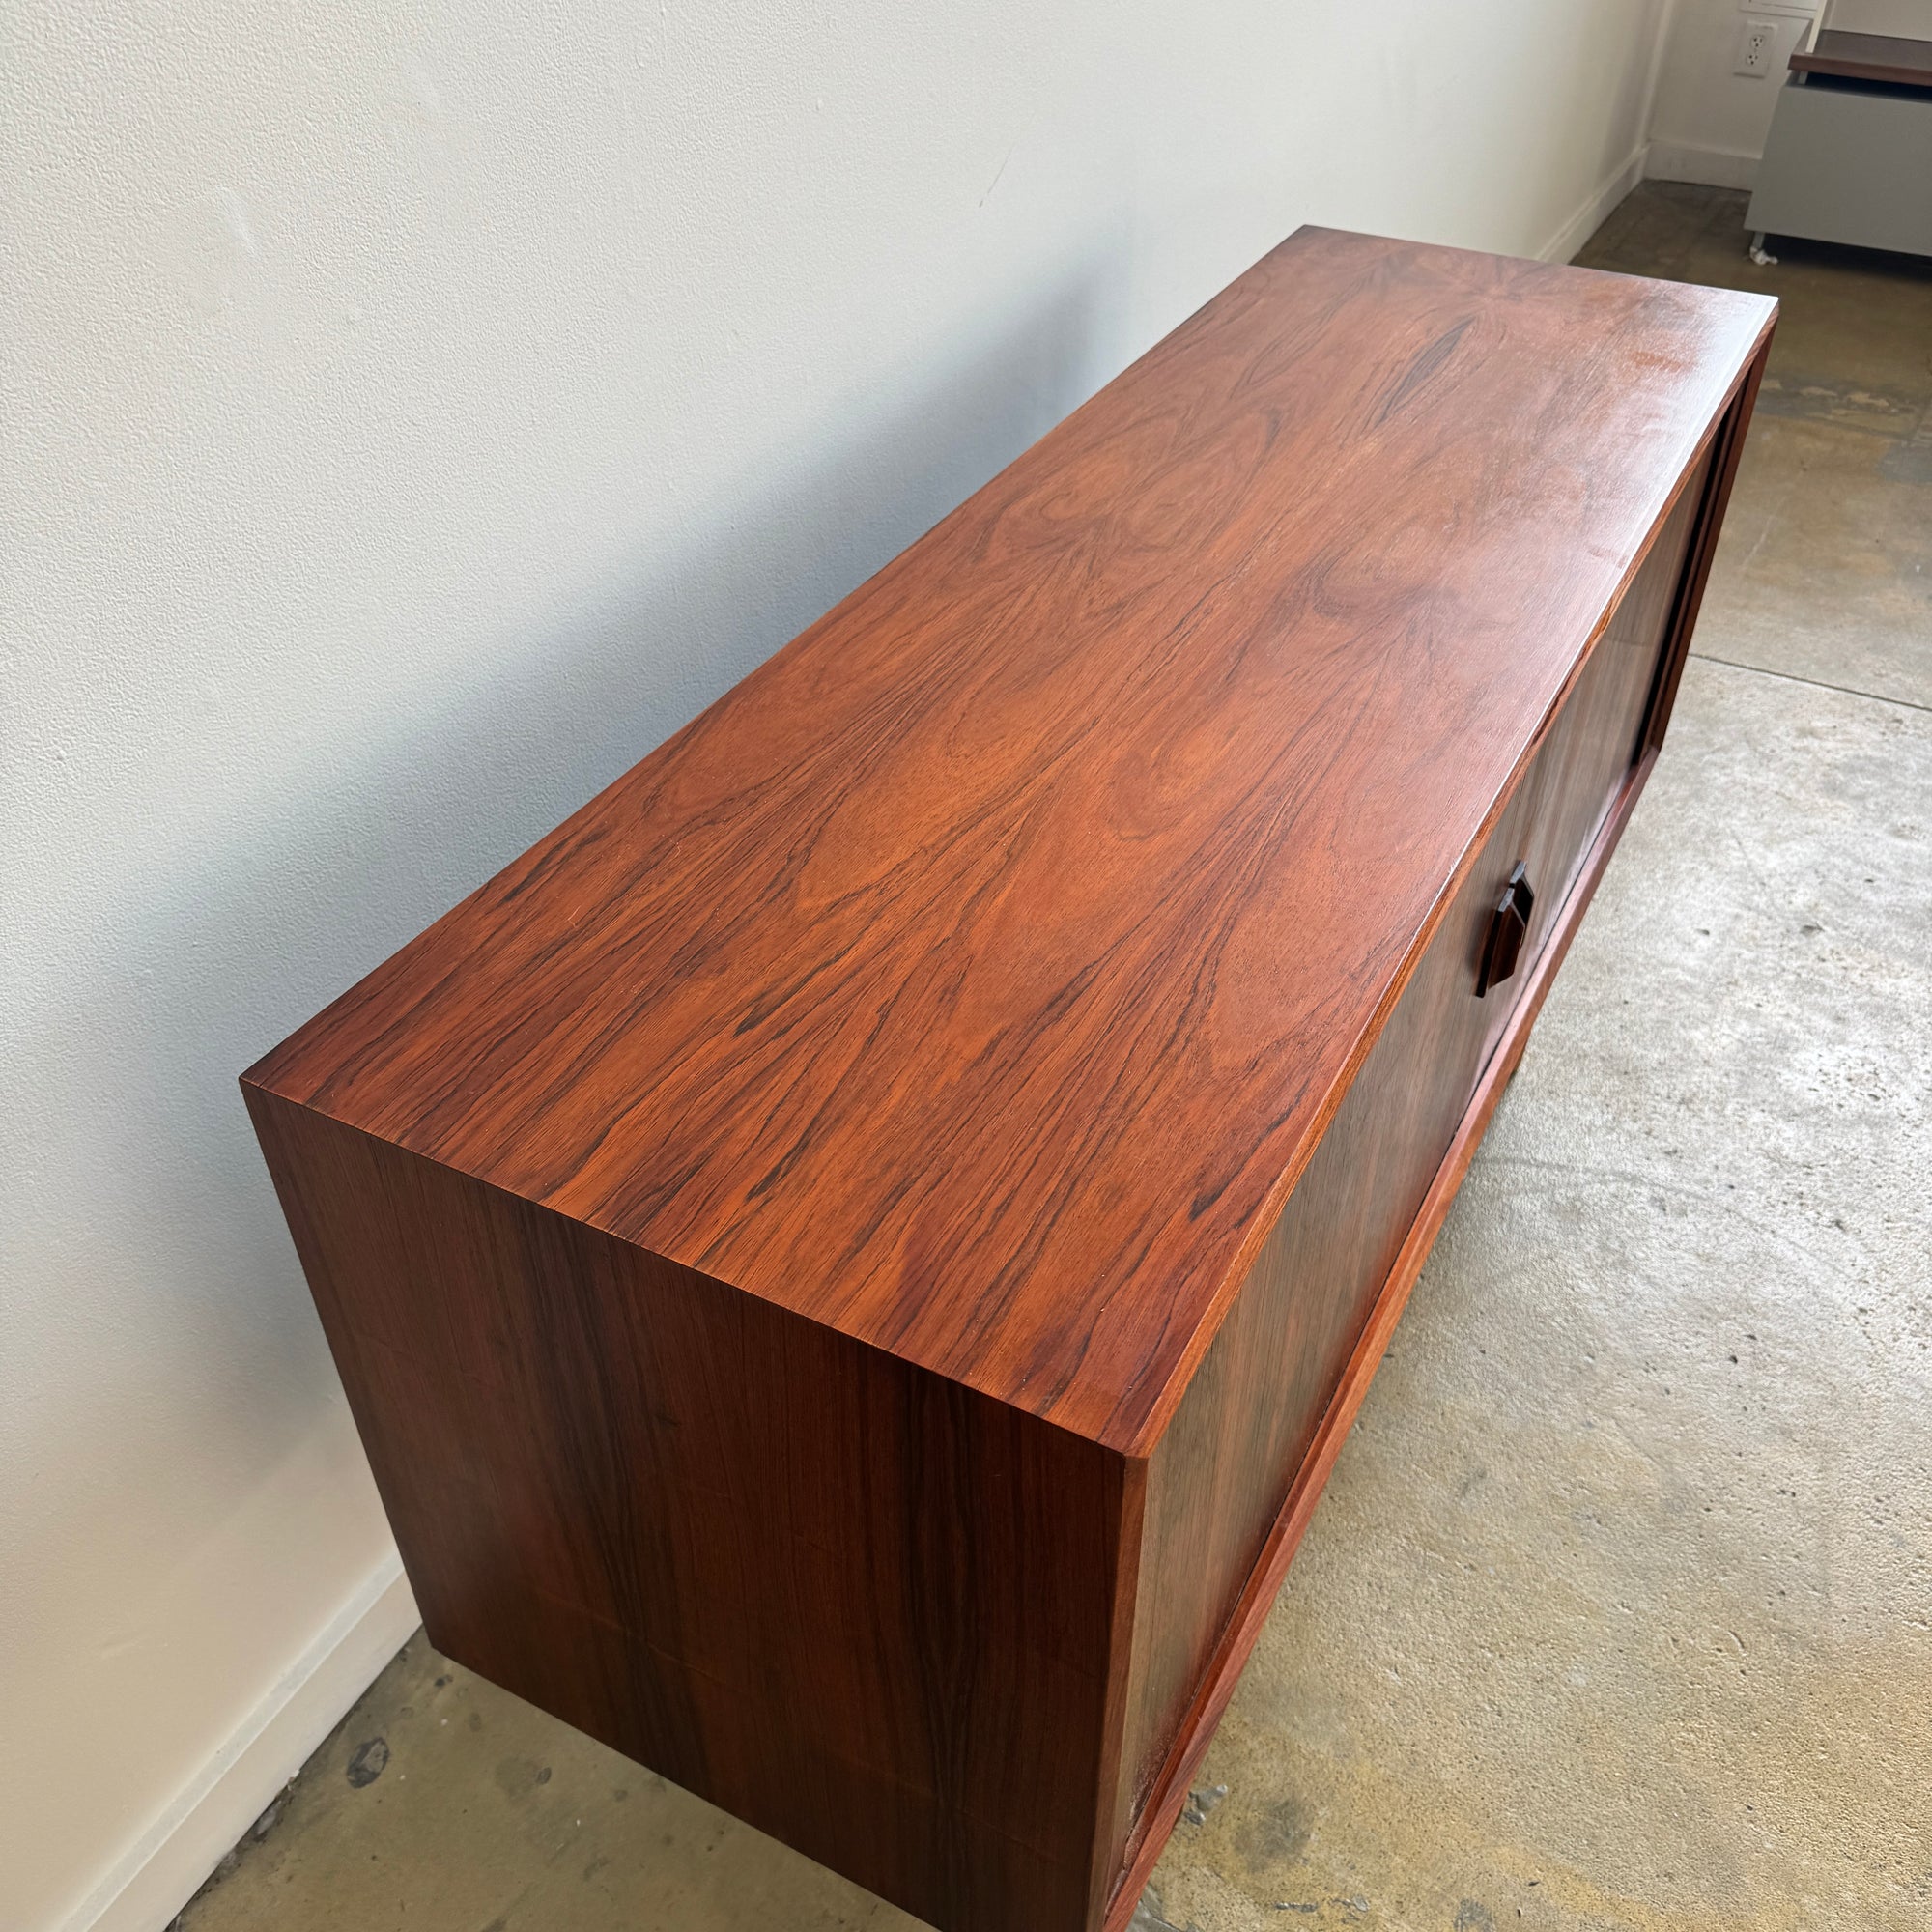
x,y
1758,46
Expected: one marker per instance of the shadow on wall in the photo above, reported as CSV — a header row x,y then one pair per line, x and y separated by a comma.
x,y
330,875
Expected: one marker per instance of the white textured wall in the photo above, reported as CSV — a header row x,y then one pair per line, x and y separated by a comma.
x,y
1710,121
415,412
1908,20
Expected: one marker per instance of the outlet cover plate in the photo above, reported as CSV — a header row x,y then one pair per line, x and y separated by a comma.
x,y
1757,48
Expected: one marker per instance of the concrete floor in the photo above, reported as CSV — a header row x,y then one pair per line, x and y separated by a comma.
x,y
1618,1611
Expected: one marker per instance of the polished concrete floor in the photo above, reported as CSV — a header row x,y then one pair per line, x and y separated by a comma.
x,y
1618,1611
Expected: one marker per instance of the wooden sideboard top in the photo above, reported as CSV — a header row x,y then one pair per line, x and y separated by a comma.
x,y
1886,57
975,977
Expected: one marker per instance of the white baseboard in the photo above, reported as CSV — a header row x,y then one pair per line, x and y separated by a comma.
x,y
1709,167
163,1868
1588,218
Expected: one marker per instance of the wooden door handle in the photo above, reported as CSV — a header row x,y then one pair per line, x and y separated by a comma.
x,y
1509,927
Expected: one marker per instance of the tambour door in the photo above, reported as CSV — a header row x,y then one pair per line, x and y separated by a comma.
x,y
1221,1472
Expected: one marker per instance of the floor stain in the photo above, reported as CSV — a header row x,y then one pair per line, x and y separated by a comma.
x,y
1273,1836
517,1777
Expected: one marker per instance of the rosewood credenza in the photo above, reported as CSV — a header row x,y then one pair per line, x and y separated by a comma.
x,y
853,1257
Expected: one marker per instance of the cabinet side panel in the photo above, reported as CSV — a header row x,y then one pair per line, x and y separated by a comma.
x,y
858,1607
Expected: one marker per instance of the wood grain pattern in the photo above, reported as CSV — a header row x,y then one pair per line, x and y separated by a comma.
x,y
1881,57
1086,841
862,1607
853,1258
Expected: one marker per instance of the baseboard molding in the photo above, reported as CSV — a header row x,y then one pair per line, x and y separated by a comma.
x,y
162,1869
1708,167
1589,218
